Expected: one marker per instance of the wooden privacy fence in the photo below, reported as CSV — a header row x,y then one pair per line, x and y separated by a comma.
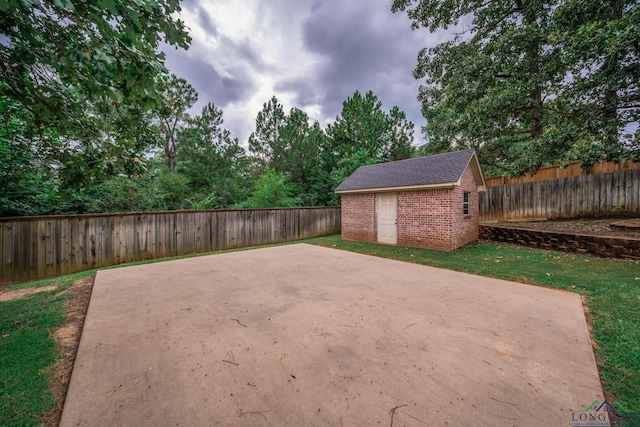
x,y
598,195
555,172
34,248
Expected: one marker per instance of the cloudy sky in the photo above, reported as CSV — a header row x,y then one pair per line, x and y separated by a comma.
x,y
310,54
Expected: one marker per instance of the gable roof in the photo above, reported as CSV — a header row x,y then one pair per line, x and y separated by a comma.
x,y
437,171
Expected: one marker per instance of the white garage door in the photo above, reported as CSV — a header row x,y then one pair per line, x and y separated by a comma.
x,y
387,218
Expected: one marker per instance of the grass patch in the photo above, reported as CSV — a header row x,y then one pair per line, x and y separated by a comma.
x,y
28,353
612,287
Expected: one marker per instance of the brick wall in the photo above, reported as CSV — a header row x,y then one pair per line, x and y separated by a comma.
x,y
466,227
425,219
359,217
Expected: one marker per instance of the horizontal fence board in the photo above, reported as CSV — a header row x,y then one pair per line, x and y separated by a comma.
x,y
40,247
587,196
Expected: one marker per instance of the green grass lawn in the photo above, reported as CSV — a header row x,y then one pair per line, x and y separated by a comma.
x,y
28,354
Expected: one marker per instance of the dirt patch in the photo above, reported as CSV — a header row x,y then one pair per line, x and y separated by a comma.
x,y
67,337
22,293
596,227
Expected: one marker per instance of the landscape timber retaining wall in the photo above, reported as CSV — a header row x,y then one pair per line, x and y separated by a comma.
x,y
613,247
33,248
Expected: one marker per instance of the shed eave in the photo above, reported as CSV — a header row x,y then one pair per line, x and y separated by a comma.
x,y
477,172
403,188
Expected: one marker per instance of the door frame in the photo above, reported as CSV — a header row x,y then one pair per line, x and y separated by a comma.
x,y
379,196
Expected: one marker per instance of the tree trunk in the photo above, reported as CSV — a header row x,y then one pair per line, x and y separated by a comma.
x,y
170,153
536,93
171,162
169,145
536,114
610,101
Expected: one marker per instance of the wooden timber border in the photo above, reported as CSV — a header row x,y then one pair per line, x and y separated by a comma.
x,y
603,246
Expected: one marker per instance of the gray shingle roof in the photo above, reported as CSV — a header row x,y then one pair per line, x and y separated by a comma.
x,y
436,169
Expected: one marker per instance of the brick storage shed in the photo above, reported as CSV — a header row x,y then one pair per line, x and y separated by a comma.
x,y
427,202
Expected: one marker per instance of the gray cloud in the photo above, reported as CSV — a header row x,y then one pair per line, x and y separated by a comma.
x,y
249,54
211,85
305,92
316,5
364,47
205,21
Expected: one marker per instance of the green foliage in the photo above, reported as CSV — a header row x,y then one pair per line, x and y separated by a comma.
x,y
27,355
399,143
46,172
300,150
119,151
364,125
265,144
363,134
306,172
178,97
288,144
58,54
76,84
485,90
301,163
601,100
360,126
310,159
215,164
271,190
531,83
174,191
346,167
120,194
27,188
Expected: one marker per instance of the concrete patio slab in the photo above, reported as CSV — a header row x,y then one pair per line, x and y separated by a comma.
x,y
306,335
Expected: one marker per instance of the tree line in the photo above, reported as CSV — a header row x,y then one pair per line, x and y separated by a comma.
x,y
92,121
166,159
